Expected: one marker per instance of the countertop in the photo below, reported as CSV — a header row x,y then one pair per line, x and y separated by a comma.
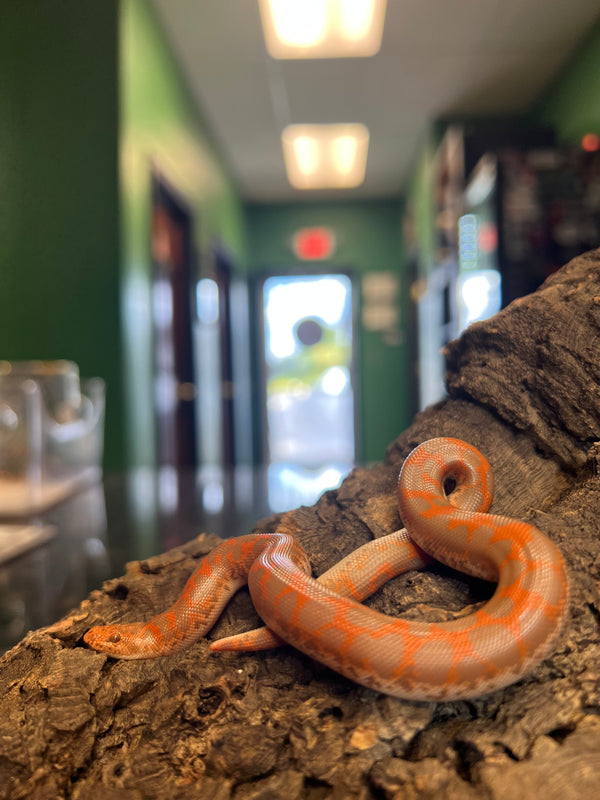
x,y
121,518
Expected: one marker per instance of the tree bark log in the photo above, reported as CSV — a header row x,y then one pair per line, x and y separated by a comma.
x,y
523,388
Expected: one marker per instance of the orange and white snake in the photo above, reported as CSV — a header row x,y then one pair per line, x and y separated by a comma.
x,y
462,658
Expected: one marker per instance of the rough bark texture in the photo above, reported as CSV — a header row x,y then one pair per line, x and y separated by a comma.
x,y
524,390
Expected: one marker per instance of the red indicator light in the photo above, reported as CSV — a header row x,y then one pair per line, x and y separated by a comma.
x,y
590,142
488,237
313,244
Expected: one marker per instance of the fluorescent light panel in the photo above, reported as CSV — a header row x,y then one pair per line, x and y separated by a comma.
x,y
322,28
325,156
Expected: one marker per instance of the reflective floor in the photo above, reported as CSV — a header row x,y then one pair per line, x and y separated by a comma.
x,y
133,516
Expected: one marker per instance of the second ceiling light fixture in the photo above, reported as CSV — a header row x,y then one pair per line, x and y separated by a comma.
x,y
319,156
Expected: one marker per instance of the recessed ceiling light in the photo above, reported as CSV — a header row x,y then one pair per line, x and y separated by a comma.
x,y
322,28
325,156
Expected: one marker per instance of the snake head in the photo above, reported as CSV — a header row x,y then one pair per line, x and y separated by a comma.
x,y
121,641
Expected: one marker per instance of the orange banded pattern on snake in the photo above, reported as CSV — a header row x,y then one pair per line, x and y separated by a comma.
x,y
461,658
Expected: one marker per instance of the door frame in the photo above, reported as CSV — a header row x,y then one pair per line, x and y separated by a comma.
x,y
182,451
260,369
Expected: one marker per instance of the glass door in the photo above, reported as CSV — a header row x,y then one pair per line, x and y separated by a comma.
x,y
308,384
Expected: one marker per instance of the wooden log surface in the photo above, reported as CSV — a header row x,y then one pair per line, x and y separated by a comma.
x,y
524,389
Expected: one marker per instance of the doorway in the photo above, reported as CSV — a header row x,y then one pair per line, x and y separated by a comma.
x,y
174,379
223,363
308,386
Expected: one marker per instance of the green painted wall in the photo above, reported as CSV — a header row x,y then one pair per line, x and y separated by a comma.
x,y
160,129
59,289
572,103
90,100
368,239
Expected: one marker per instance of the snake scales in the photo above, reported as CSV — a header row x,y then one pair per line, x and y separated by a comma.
x,y
461,658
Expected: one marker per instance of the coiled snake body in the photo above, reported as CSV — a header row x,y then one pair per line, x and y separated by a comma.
x,y
461,658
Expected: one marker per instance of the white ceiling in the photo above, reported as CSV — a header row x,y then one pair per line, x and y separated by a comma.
x,y
438,58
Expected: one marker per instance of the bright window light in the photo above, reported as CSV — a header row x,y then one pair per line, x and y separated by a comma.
x,y
480,293
291,485
335,380
207,301
287,302
322,28
325,156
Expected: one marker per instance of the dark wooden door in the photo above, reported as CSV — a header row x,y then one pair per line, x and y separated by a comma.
x,y
175,384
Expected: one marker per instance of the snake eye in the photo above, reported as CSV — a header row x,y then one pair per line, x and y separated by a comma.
x,y
114,638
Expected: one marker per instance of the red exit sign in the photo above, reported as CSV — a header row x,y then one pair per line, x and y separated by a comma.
x,y
314,244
